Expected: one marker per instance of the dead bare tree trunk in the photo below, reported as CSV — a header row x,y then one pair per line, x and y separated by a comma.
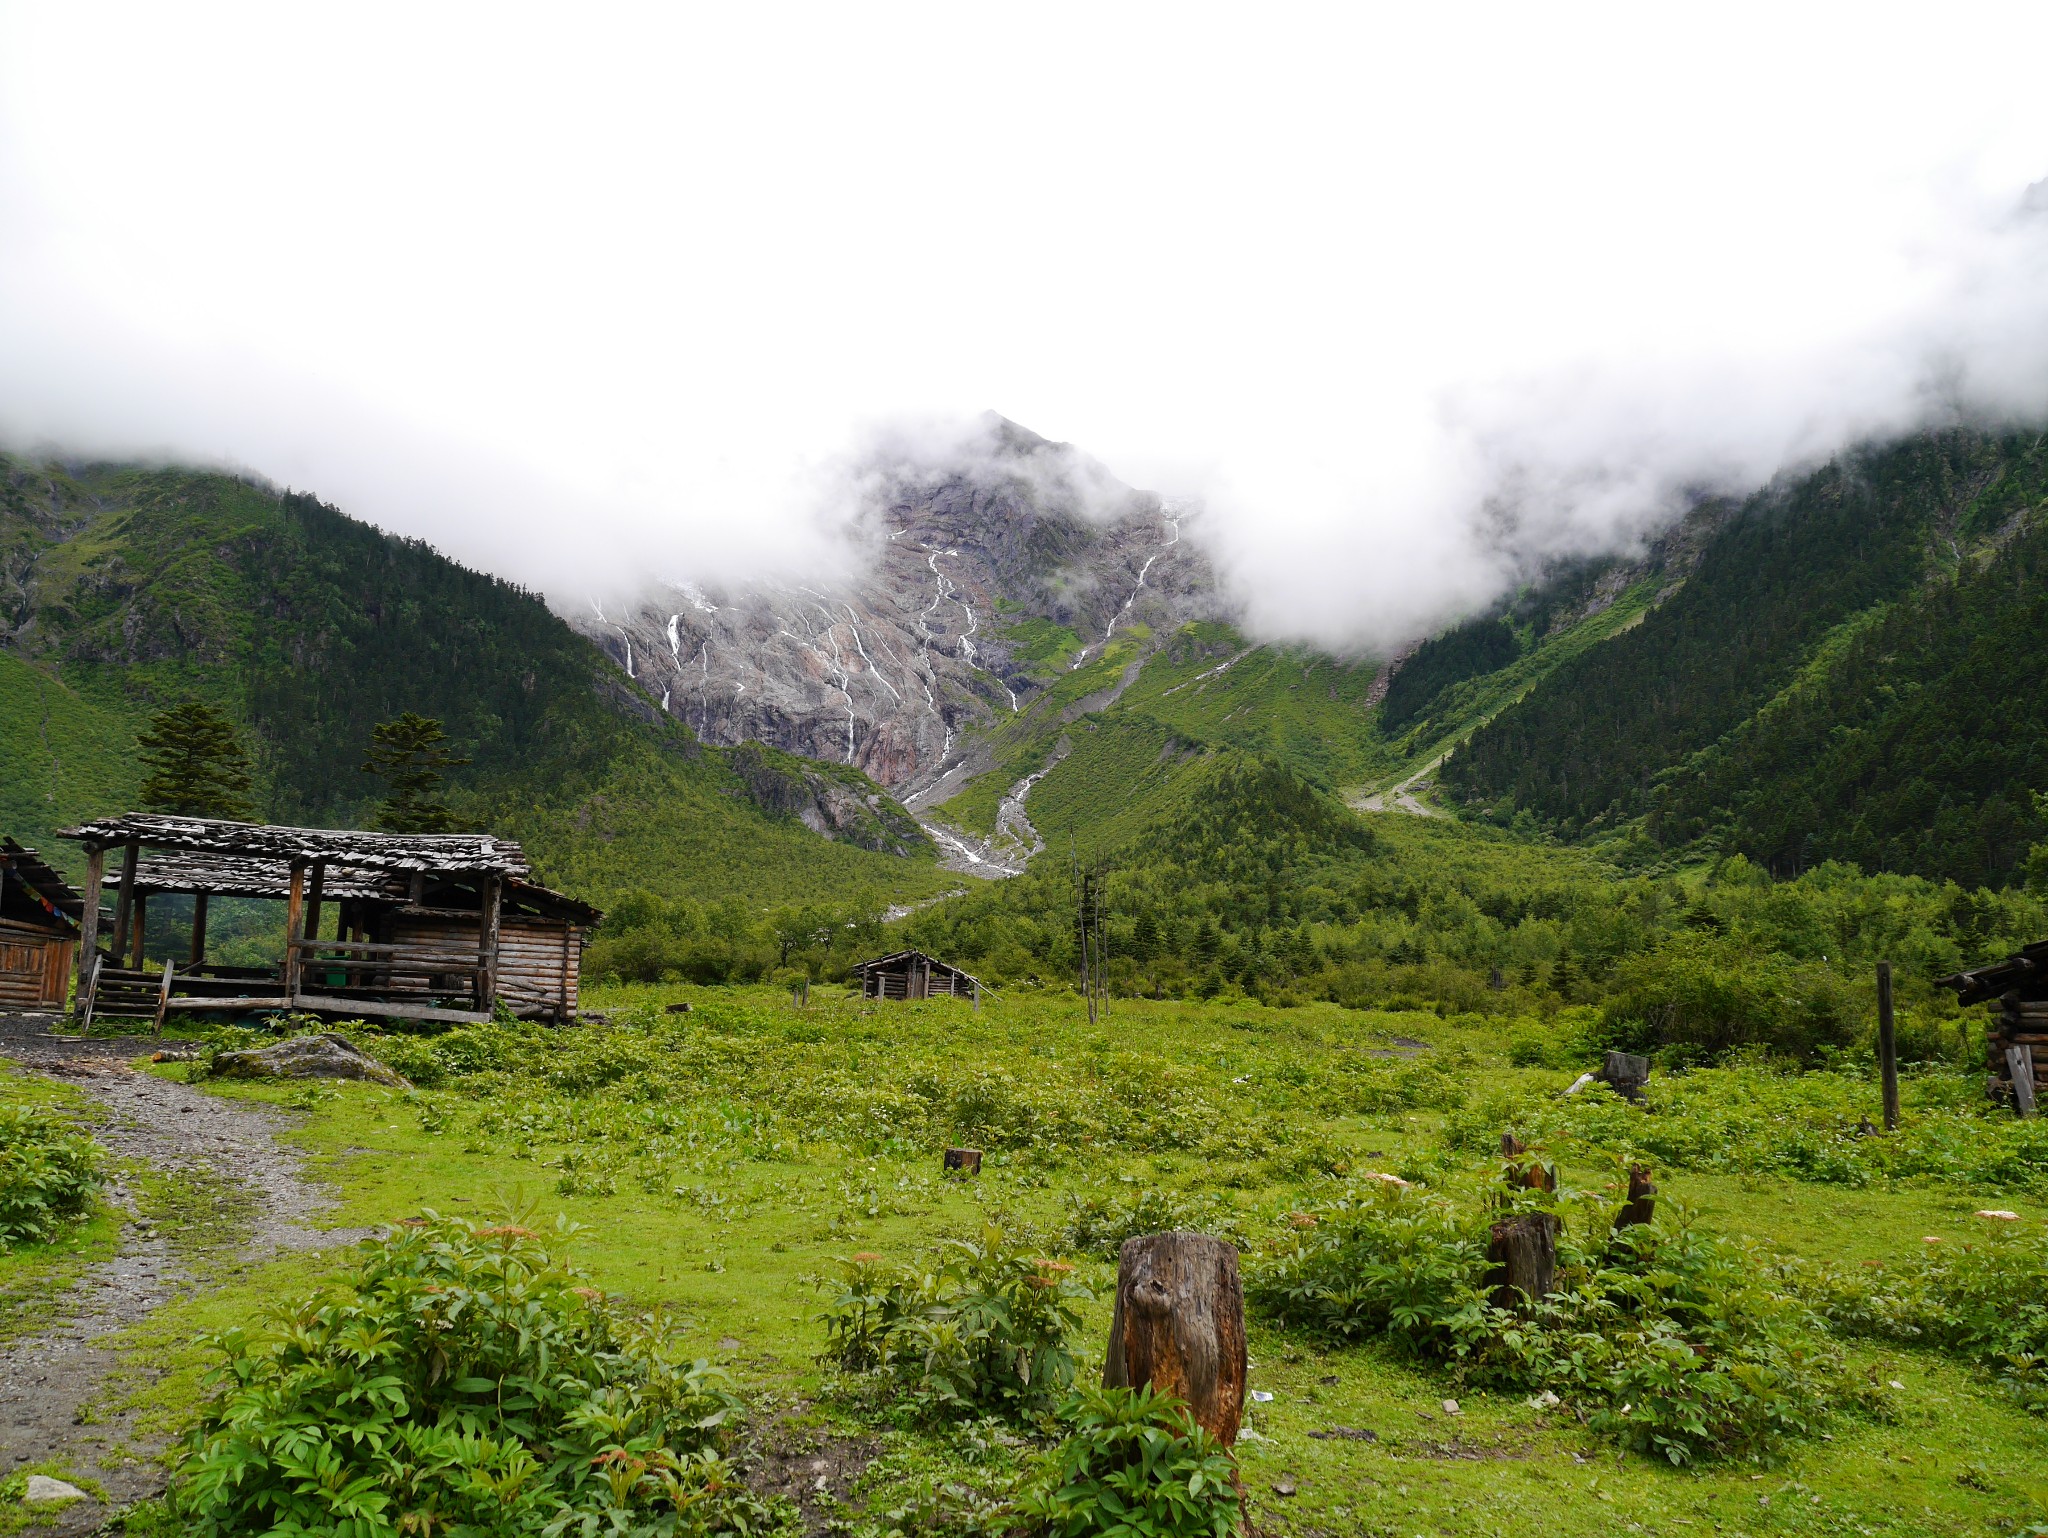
x,y
1523,1256
1178,1324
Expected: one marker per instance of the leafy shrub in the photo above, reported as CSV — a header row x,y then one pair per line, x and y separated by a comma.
x,y
1099,1225
1133,1464
462,1379
1699,997
1673,1342
1986,1303
984,1330
48,1174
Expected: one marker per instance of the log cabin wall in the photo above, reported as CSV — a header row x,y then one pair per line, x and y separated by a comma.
x,y
35,967
540,960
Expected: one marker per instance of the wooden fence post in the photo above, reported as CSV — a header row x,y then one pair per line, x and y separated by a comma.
x,y
123,896
89,921
294,930
1178,1324
1887,1047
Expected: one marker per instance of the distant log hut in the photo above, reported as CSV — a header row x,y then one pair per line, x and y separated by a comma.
x,y
440,926
914,975
2016,1040
39,918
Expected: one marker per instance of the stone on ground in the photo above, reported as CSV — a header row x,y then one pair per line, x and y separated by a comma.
x,y
41,1487
307,1057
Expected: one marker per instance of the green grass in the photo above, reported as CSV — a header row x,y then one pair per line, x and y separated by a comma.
x,y
738,1149
32,1275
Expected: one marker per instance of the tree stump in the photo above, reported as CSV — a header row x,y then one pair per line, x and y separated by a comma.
x,y
1641,1205
963,1161
1178,1324
1523,1256
1625,1074
1512,1147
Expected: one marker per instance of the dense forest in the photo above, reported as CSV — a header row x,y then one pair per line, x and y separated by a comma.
x,y
1778,599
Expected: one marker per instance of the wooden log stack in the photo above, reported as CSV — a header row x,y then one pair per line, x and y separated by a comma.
x,y
2016,1036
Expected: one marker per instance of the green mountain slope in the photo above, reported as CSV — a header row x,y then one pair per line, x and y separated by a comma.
x,y
1588,748
121,588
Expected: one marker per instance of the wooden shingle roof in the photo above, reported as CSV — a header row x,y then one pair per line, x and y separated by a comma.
x,y
432,853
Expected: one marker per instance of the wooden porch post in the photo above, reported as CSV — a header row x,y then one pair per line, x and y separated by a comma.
x,y
313,899
141,924
124,897
487,942
294,931
198,929
89,921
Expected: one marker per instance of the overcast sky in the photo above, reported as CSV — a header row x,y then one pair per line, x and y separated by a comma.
x,y
587,294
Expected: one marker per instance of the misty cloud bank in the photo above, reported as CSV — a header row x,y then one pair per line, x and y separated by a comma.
x,y
1409,309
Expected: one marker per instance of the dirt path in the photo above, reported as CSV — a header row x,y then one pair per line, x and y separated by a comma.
x,y
1401,798
48,1375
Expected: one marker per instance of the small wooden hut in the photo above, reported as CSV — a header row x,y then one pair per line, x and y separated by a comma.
x,y
437,926
914,975
39,918
2016,1039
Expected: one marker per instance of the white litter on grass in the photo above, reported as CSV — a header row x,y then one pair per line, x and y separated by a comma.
x,y
1261,1396
1544,1401
1450,1407
1898,1385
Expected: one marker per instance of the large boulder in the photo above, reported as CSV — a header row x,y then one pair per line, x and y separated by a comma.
x,y
307,1057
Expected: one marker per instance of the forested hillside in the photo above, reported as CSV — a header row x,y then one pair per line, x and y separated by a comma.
x,y
1821,685
126,588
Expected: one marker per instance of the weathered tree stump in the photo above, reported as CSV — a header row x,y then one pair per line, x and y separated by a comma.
x,y
1512,1147
1178,1324
1641,1205
1523,1255
1625,1073
963,1161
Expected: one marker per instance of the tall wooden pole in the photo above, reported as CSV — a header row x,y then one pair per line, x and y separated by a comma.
x,y
294,931
1887,1047
124,897
487,982
198,929
89,921
140,926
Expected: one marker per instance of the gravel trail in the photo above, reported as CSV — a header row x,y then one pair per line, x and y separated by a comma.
x,y
57,1369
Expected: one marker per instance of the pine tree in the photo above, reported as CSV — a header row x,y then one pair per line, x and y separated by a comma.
x,y
197,764
413,756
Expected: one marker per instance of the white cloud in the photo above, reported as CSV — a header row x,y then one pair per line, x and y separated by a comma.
x,y
585,296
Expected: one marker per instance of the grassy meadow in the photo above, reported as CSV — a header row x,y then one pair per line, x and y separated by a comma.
x,y
724,1162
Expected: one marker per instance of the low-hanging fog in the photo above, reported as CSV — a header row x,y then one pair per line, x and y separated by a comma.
x,y
590,297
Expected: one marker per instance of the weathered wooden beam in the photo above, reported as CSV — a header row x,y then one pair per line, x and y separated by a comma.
x,y
2021,1061
487,942
141,927
125,896
1178,1324
1887,1047
89,920
314,890
294,928
198,929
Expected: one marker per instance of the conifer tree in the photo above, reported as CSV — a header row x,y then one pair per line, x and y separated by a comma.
x,y
413,756
197,764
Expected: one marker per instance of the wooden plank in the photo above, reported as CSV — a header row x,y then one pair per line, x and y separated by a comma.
x,y
2021,1061
163,998
89,921
385,1010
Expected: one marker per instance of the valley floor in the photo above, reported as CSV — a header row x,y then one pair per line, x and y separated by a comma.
x,y
720,1162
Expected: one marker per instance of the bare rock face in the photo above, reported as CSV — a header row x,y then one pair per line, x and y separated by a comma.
x,y
307,1057
884,670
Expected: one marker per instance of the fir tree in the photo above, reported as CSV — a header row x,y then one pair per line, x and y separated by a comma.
x,y
413,756
197,764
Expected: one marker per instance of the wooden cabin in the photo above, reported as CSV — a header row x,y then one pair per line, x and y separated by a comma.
x,y
914,975
440,926
39,917
2016,1036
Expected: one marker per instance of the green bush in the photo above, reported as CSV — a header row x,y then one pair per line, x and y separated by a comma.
x,y
1699,997
1672,1342
1986,1303
48,1174
461,1379
1133,1465
984,1330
